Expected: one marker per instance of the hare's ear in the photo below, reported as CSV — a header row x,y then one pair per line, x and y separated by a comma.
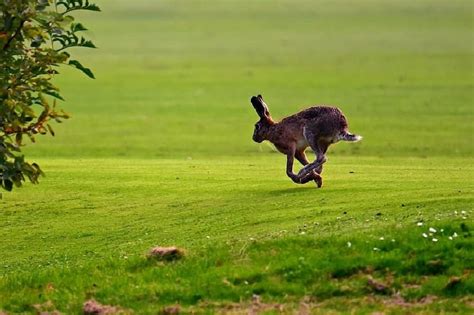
x,y
260,106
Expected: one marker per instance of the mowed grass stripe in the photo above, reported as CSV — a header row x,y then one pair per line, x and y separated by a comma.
x,y
131,205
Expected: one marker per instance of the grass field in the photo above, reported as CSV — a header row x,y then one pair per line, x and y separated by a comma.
x,y
159,152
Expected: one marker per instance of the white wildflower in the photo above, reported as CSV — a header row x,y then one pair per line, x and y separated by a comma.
x,y
420,224
463,212
349,244
425,235
381,238
376,249
451,238
434,239
455,234
432,230
442,230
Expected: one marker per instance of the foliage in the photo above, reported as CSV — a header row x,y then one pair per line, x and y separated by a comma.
x,y
34,38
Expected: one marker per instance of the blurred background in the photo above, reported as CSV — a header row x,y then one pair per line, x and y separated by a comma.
x,y
174,78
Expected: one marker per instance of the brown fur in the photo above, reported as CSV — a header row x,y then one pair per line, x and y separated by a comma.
x,y
317,127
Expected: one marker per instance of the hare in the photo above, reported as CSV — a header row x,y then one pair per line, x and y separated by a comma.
x,y
317,127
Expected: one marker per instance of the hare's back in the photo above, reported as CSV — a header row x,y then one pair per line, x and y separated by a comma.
x,y
324,120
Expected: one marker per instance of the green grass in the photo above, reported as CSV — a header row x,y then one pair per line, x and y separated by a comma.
x,y
236,229
159,152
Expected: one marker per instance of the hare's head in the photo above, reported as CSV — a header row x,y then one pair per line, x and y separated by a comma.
x,y
263,125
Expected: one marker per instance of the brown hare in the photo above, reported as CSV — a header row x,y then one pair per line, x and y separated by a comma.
x,y
317,127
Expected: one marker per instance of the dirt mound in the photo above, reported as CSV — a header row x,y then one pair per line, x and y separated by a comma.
x,y
166,253
171,310
92,307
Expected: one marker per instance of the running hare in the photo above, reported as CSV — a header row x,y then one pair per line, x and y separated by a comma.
x,y
317,127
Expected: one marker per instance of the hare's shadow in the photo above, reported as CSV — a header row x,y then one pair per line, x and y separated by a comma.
x,y
293,191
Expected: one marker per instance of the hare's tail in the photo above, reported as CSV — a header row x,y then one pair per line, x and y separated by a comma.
x,y
350,137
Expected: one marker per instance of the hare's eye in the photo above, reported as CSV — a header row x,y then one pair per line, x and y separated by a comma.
x,y
257,126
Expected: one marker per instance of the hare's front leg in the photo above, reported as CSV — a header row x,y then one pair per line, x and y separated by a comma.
x,y
289,166
290,155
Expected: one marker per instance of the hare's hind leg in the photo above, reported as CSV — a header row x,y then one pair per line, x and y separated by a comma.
x,y
319,148
323,147
314,175
301,157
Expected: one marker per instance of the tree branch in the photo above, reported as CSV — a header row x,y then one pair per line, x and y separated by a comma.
x,y
17,31
35,127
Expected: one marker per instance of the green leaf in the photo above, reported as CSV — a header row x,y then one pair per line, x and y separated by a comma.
x,y
42,4
51,131
77,27
38,169
79,66
86,43
8,184
54,94
91,7
71,5
18,138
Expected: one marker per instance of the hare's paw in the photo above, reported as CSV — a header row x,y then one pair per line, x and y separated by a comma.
x,y
295,178
312,175
318,180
